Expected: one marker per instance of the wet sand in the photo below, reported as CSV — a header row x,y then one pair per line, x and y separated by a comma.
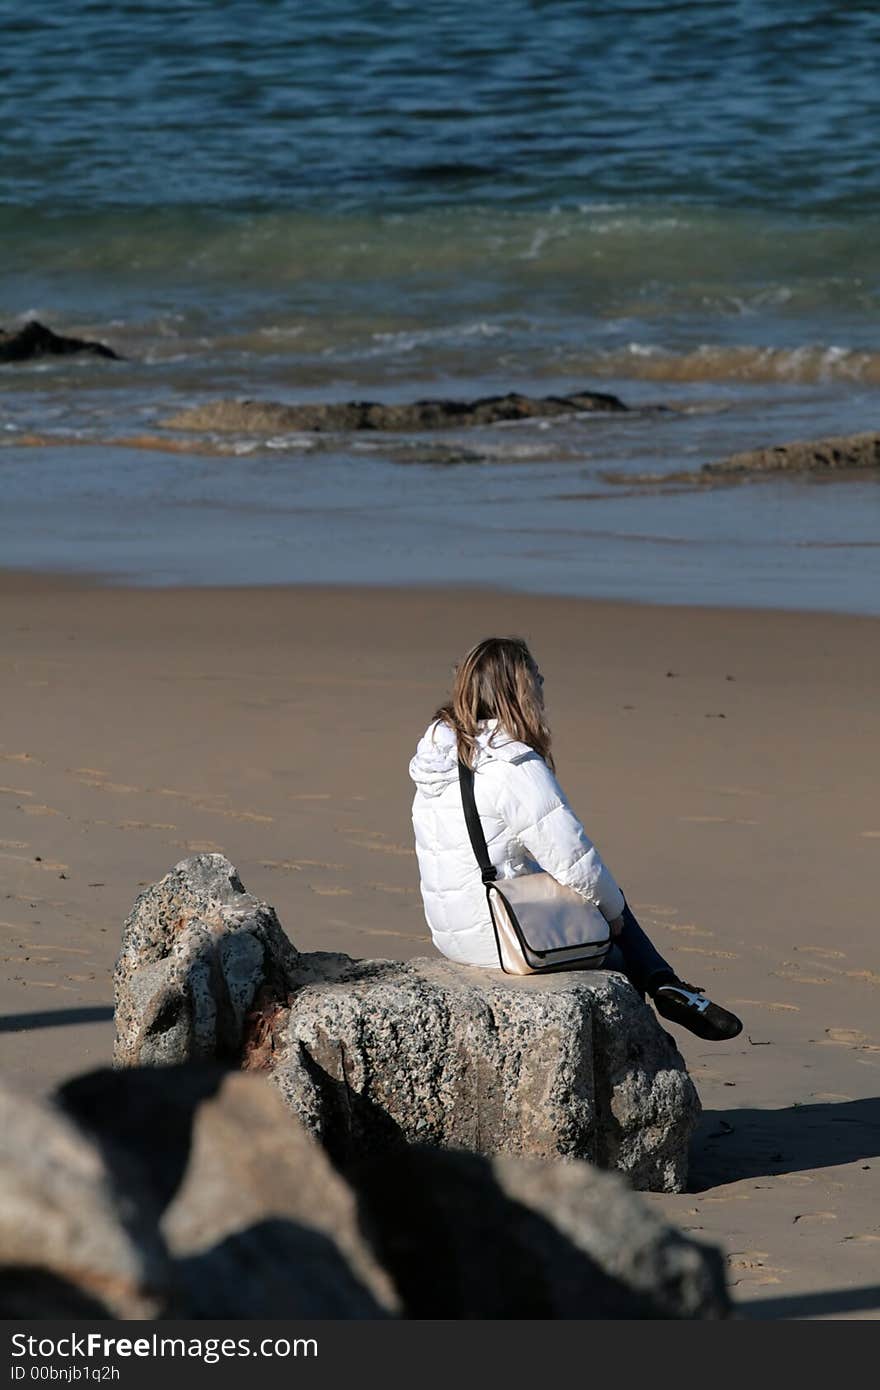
x,y
725,762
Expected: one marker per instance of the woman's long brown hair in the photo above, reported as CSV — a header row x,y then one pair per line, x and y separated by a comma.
x,y
497,680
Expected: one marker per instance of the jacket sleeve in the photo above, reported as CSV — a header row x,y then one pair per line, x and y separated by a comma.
x,y
538,814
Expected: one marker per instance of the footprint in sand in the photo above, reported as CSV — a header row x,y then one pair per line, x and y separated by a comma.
x,y
381,849
143,825
235,815
88,771
687,929
869,976
199,846
200,799
45,865
380,931
20,758
768,1004
15,791
391,888
800,979
14,844
845,1035
748,1259
823,952
331,892
36,809
813,1218
717,820
297,865
657,909
870,834
703,951
865,1237
61,950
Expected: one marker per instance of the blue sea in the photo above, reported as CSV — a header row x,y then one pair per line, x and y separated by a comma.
x,y
260,199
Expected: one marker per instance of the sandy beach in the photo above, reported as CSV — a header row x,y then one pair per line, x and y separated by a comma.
x,y
724,761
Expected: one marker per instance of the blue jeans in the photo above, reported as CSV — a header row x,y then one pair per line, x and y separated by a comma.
x,y
637,957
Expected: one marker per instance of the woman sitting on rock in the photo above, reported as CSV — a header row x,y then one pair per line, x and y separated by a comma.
x,y
495,723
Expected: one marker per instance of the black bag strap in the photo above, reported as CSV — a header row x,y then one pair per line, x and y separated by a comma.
x,y
472,820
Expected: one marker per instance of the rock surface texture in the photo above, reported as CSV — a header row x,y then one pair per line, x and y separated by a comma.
x,y
373,1055
35,340
191,1192
515,1237
271,416
72,1244
197,951
841,455
256,1221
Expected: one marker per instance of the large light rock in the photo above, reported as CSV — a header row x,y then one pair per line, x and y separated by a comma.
x,y
72,1242
196,952
372,1054
258,1222
467,1237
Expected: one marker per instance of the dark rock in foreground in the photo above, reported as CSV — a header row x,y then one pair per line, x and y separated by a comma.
x,y
256,1221
268,417
72,1245
35,340
467,1237
251,1220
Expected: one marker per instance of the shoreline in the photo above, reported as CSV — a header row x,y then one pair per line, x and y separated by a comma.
x,y
722,760
95,581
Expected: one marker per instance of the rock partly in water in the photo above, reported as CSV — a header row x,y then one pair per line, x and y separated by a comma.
x,y
72,1243
269,417
198,955
467,1237
35,340
257,1221
834,455
371,1055
842,455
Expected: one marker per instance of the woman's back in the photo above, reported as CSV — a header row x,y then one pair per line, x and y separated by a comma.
x,y
528,826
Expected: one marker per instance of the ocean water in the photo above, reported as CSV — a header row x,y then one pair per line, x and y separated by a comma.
x,y
676,202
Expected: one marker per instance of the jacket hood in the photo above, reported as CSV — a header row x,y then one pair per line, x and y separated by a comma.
x,y
435,763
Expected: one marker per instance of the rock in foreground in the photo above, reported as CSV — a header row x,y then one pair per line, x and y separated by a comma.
x,y
270,417
191,1192
467,1237
256,1221
71,1244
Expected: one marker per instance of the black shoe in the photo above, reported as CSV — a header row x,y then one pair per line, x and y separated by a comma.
x,y
684,1004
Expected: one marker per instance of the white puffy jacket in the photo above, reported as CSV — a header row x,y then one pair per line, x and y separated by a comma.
x,y
528,825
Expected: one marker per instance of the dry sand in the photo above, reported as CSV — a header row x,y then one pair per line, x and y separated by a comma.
x,y
725,763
